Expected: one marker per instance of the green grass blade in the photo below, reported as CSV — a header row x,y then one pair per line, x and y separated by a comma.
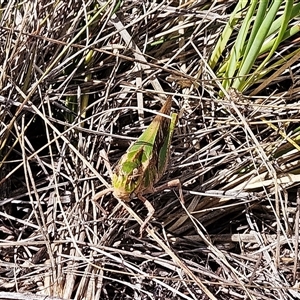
x,y
222,42
277,41
249,59
237,50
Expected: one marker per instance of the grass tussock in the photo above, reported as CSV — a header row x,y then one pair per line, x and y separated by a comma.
x,y
79,82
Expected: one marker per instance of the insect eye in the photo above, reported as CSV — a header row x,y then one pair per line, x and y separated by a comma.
x,y
134,175
135,172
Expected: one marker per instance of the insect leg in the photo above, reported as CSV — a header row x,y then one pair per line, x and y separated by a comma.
x,y
150,212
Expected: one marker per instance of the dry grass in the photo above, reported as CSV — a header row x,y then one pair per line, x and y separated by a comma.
x,y
72,77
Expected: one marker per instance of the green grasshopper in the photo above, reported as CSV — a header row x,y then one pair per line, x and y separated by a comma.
x,y
145,162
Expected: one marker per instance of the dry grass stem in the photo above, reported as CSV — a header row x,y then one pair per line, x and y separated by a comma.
x,y
81,80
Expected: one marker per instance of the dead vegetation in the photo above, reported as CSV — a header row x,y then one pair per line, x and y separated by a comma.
x,y
80,80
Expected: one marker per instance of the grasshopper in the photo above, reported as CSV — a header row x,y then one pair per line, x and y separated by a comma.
x,y
145,162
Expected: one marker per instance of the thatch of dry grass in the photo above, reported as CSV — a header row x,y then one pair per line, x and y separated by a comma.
x,y
78,81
